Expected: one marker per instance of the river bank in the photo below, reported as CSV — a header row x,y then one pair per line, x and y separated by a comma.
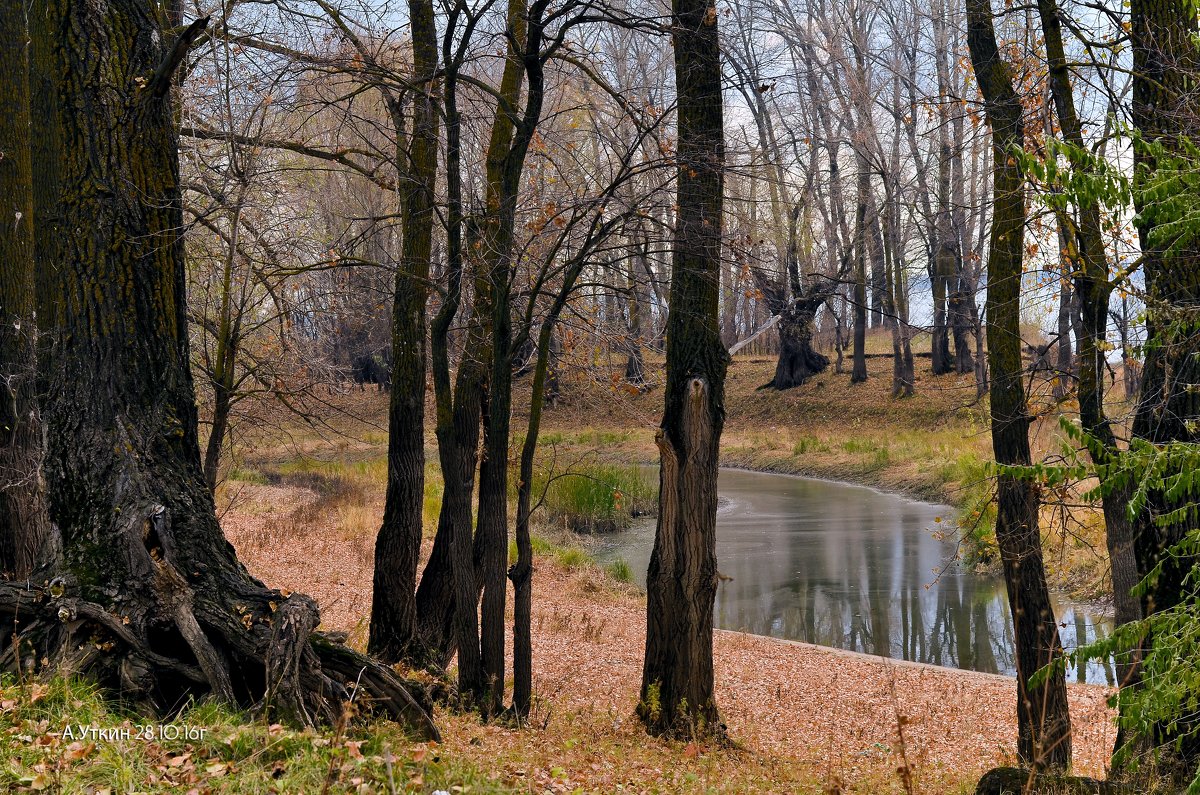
x,y
932,447
804,718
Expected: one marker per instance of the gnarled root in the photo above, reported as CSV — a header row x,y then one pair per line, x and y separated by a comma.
x,y
252,648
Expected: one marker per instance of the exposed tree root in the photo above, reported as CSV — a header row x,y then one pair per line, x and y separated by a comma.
x,y
159,662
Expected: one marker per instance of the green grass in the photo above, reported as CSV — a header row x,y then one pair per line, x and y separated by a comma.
x,y
540,545
247,476
809,444
573,558
620,571
219,751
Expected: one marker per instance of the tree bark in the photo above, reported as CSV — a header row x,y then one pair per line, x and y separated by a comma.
x,y
398,545
677,695
24,524
521,572
797,309
1043,722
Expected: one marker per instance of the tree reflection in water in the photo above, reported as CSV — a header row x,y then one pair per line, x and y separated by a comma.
x,y
853,568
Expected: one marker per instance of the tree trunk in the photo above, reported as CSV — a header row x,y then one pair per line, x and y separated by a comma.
x,y
940,273
143,564
521,572
398,544
24,525
798,361
635,363
1043,723
960,318
903,377
221,374
882,311
677,695
1062,364
1168,409
858,372
946,247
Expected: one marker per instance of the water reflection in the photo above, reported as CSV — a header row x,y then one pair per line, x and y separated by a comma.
x,y
856,569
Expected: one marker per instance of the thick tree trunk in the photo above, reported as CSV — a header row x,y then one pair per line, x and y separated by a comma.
x,y
940,273
24,525
144,565
960,319
397,547
458,407
798,361
1043,722
677,695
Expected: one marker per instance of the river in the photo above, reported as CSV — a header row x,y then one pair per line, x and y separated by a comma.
x,y
854,568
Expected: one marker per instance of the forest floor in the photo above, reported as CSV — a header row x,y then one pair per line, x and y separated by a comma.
x,y
302,514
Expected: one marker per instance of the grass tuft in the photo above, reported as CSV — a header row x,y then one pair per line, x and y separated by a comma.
x,y
620,571
597,497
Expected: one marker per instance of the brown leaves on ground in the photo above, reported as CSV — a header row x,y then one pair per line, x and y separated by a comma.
x,y
803,718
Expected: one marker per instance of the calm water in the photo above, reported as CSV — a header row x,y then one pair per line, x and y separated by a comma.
x,y
854,568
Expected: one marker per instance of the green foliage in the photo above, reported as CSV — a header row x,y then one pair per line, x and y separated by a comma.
x,y
651,706
1068,176
977,505
1167,186
1168,695
1170,194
